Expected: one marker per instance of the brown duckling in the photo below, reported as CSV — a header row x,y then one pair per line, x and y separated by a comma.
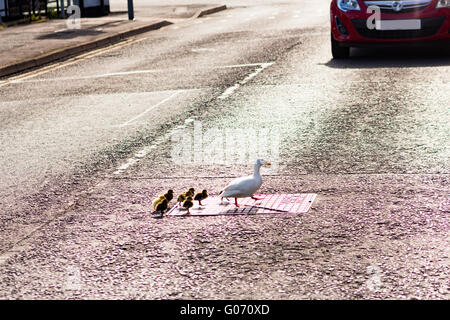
x,y
201,196
188,204
190,192
169,195
156,201
162,206
181,198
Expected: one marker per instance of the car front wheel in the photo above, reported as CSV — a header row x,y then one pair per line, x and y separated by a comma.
x,y
337,51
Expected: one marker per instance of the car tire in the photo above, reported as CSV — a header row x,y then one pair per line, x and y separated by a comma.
x,y
337,51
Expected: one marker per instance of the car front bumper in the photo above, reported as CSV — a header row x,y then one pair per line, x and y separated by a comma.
x,y
435,28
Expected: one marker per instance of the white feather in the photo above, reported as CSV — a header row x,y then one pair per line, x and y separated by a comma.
x,y
245,186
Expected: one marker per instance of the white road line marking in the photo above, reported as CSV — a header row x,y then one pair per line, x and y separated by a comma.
x,y
229,91
143,152
126,165
203,50
70,61
242,65
135,159
92,76
149,109
73,60
133,72
147,149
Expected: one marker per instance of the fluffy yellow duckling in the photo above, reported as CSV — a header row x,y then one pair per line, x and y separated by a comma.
x,y
156,201
169,195
160,207
181,198
201,196
188,204
190,192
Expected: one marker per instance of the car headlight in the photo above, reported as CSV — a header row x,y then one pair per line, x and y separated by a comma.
x,y
443,4
346,5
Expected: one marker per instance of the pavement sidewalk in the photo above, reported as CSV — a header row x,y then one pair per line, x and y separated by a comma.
x,y
33,45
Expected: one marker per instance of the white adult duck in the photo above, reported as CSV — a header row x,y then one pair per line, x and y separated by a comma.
x,y
245,186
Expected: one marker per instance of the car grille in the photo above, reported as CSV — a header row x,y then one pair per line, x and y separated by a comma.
x,y
429,26
399,6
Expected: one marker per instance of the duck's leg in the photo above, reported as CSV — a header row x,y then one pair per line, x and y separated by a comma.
x,y
254,198
200,203
221,200
235,203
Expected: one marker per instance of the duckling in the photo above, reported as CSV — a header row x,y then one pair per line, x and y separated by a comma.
x,y
161,206
188,204
169,195
156,201
181,197
201,196
190,192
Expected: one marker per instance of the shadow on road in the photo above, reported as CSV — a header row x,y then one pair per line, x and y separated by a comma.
x,y
70,34
393,58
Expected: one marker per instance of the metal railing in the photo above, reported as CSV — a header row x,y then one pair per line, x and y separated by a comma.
x,y
17,9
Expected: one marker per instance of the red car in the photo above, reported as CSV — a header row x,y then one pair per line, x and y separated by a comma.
x,y
363,23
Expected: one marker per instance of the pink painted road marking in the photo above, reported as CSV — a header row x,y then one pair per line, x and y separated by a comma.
x,y
271,204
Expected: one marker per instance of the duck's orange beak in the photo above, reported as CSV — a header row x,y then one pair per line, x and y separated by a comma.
x,y
268,164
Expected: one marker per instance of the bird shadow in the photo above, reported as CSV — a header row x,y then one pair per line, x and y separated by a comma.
x,y
252,210
70,34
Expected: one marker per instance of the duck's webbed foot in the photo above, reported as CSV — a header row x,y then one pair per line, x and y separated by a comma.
x,y
254,198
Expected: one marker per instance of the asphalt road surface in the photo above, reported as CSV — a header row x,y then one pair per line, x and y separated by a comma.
x,y
88,143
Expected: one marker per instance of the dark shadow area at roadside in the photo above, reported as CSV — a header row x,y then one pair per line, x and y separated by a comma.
x,y
393,58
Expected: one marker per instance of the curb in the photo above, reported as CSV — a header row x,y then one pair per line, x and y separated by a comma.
x,y
212,10
77,49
